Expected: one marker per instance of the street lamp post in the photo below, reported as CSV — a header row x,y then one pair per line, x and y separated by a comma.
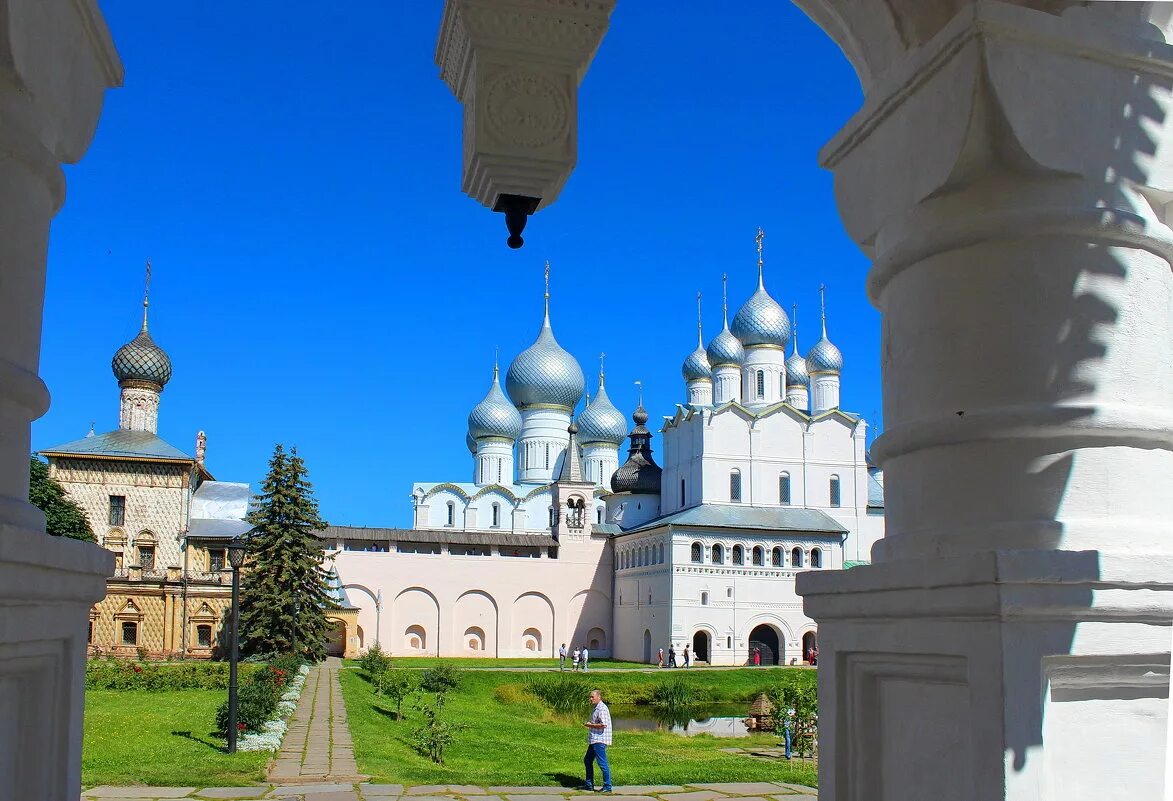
x,y
378,614
236,554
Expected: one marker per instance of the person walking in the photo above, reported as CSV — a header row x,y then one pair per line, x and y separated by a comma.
x,y
585,658
757,657
686,656
598,738
671,656
562,657
788,729
574,663
661,662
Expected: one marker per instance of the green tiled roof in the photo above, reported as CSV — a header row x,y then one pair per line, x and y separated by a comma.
x,y
122,444
850,563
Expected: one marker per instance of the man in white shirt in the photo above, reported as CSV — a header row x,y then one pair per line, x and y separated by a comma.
x,y
562,657
584,656
598,738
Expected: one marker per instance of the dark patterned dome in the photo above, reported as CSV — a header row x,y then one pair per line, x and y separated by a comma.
x,y
142,360
639,473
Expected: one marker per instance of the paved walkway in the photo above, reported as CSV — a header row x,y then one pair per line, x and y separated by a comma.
x,y
734,791
317,747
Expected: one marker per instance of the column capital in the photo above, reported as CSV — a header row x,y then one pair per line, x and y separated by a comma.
x,y
516,65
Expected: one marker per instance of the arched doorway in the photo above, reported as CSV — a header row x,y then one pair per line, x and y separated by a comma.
x,y
765,639
336,638
809,641
700,646
647,647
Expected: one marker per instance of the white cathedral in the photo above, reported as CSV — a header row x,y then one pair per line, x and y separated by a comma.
x,y
554,541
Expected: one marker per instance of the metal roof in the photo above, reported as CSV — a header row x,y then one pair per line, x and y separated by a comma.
x,y
766,518
224,499
371,534
216,528
875,492
121,444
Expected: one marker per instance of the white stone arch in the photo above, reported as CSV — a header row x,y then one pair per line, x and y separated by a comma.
x,y
531,610
417,607
477,608
588,609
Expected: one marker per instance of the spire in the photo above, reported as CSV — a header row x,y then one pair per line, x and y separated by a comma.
x,y
91,430
794,326
640,385
700,337
761,235
602,356
496,367
146,293
546,321
823,307
572,463
725,299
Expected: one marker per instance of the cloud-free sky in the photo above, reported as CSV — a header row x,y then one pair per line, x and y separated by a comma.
x,y
292,170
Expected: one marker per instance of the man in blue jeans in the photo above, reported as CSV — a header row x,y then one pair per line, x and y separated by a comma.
x,y
598,738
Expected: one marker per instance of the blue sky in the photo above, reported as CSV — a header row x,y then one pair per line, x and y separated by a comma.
x,y
320,280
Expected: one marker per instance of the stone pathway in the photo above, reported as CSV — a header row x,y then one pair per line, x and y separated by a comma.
x,y
317,747
342,791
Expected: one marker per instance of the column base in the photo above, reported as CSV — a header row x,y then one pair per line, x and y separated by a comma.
x,y
1040,675
47,586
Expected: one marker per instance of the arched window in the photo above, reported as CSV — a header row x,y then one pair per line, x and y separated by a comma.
x,y
835,494
761,383
796,557
451,513
551,512
697,553
661,560
759,556
496,515
547,456
816,557
704,599
776,557
718,554
599,515
784,489
682,496
735,486
738,555
647,555
498,471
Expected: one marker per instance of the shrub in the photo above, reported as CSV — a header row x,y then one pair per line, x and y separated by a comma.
x,y
435,734
802,697
397,686
375,661
677,692
440,679
258,696
511,694
561,693
117,674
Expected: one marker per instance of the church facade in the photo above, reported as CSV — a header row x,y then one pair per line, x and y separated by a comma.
x,y
554,540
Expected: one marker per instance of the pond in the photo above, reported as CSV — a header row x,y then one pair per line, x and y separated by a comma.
x,y
722,720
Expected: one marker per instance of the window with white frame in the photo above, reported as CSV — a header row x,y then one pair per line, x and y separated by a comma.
x,y
836,496
776,559
738,555
718,554
735,485
784,489
761,383
816,557
697,553
759,556
796,557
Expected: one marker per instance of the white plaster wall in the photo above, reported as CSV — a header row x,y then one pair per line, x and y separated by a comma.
x,y
772,362
542,431
630,510
600,460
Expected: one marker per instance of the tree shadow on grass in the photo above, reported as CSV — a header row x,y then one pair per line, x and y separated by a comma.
x,y
564,779
388,713
211,743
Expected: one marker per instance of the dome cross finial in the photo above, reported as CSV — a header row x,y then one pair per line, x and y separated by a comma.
x,y
794,325
496,357
602,356
725,298
547,296
146,293
761,235
700,336
823,307
640,388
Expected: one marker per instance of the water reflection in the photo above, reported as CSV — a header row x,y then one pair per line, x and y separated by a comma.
x,y
718,722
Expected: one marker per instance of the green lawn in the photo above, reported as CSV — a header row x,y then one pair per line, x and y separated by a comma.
x,y
518,741
160,738
491,662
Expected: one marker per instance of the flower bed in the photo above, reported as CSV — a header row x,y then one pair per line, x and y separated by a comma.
x,y
271,733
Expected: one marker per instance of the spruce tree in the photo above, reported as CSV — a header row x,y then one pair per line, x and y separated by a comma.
x,y
284,595
63,517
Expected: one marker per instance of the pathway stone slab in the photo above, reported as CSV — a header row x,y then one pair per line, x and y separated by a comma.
x,y
643,789
531,790
337,795
697,795
798,788
304,789
380,789
138,791
739,788
427,789
429,797
547,796
232,792
467,789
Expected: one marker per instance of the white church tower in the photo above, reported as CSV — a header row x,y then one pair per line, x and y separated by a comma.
x,y
797,378
824,363
726,356
697,372
601,430
493,428
764,331
142,369
545,383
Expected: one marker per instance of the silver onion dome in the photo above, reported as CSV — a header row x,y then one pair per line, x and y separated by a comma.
x,y
725,349
470,443
697,366
494,416
142,360
761,321
601,421
545,375
824,357
796,372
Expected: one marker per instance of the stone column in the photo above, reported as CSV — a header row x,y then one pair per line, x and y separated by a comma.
x,y
57,59
1010,176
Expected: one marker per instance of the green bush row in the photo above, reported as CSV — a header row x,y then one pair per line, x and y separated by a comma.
x,y
258,696
119,674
